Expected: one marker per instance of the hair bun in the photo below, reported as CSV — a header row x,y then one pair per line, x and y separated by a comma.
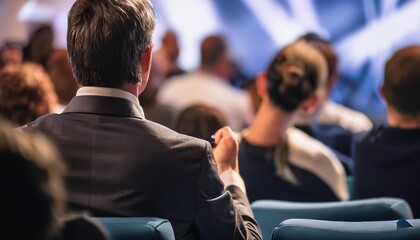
x,y
295,74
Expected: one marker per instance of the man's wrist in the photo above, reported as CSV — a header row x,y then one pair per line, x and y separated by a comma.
x,y
232,177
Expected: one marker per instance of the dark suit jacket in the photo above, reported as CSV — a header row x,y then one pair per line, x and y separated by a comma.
x,y
120,164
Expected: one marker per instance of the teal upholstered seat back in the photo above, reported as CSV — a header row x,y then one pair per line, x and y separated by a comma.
x,y
269,213
303,229
350,183
137,228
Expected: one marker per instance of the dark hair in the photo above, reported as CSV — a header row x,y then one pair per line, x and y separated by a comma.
x,y
402,80
106,40
31,185
44,32
294,75
200,121
212,49
326,50
40,45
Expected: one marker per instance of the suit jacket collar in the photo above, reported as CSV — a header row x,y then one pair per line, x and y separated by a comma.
x,y
104,106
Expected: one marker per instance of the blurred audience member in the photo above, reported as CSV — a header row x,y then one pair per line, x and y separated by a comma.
x,y
33,191
65,85
40,45
26,93
280,162
31,186
330,112
165,58
332,123
387,159
10,56
237,77
200,121
153,110
210,85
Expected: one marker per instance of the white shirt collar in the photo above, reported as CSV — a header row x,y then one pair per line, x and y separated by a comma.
x,y
110,92
107,92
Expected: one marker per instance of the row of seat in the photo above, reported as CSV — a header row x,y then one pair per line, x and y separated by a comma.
x,y
83,227
303,229
269,213
378,218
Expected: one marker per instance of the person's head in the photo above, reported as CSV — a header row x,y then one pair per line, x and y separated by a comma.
x,y
294,78
329,54
170,43
59,69
43,36
292,84
11,55
31,185
40,45
402,85
215,57
200,121
110,42
26,93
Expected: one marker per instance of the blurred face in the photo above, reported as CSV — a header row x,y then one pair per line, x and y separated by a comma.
x,y
172,48
12,57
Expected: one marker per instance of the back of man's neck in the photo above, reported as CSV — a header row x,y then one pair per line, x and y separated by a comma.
x,y
403,120
131,88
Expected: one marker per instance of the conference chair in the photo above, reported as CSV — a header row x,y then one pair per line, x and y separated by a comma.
x,y
134,228
303,229
269,213
85,227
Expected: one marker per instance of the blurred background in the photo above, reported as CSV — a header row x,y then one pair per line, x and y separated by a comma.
x,y
363,32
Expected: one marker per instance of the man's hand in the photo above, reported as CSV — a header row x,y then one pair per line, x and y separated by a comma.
x,y
226,150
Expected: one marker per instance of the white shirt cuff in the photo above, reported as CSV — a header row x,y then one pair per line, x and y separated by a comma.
x,y
231,177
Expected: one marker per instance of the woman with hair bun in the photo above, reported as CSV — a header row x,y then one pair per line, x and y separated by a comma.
x,y
281,162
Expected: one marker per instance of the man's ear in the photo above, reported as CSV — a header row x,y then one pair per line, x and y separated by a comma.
x,y
261,82
146,65
382,93
310,105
